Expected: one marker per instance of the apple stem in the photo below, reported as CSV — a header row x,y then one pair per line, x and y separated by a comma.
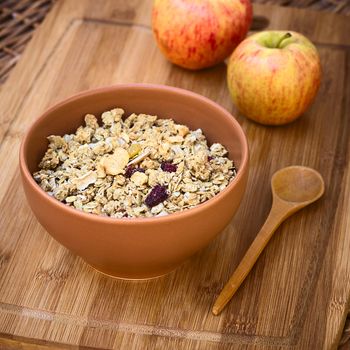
x,y
285,36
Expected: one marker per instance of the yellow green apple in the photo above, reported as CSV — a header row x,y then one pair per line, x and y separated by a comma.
x,y
273,76
196,34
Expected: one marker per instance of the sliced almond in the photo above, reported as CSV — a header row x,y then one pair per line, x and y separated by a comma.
x,y
111,166
115,163
84,181
122,155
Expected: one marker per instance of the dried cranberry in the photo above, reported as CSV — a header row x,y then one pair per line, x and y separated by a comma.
x,y
130,170
157,195
210,158
168,167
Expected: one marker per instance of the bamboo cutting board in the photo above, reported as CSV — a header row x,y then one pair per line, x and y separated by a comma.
x,y
296,297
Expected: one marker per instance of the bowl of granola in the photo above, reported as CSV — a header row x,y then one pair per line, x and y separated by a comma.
x,y
134,178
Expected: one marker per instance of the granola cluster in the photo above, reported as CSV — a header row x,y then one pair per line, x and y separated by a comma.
x,y
139,166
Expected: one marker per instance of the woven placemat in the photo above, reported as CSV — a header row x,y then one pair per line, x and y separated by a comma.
x,y
19,18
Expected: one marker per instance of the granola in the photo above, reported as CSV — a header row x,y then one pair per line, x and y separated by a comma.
x,y
139,166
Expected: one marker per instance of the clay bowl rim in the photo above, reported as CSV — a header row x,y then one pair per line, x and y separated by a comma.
x,y
134,221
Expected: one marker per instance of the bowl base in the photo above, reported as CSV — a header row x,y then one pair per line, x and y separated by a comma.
x,y
138,279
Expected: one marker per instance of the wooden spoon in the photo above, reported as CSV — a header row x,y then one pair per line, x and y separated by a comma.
x,y
293,188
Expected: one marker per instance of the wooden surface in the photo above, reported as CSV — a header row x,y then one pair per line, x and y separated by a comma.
x,y
297,295
337,6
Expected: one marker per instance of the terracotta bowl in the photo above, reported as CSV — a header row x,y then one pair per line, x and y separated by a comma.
x,y
143,247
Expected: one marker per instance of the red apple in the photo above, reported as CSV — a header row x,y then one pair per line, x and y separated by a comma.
x,y
273,76
197,34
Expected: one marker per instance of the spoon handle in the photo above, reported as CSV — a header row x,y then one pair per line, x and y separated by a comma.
x,y
276,216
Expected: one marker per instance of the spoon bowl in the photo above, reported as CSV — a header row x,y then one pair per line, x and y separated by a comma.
x,y
297,184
